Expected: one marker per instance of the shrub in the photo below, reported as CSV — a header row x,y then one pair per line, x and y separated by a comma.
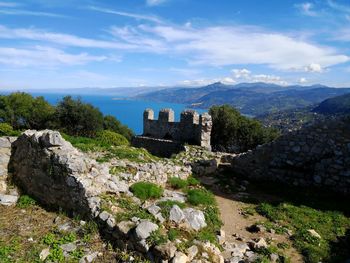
x,y
192,181
109,138
112,124
146,190
173,234
200,197
6,130
177,183
236,133
25,201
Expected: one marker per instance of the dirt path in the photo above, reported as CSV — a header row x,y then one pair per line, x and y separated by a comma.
x,y
235,226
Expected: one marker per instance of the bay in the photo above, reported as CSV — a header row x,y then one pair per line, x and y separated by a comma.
x,y
126,110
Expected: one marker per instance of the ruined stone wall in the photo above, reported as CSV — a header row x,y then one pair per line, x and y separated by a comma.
x,y
192,128
5,153
317,155
158,147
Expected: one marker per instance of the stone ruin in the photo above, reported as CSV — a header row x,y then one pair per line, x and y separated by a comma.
x,y
165,137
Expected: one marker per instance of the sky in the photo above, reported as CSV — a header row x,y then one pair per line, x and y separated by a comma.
x,y
55,44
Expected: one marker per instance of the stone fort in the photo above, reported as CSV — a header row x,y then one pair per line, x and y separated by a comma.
x,y
164,136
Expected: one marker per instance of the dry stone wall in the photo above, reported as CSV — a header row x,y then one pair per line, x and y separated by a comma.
x,y
5,153
316,155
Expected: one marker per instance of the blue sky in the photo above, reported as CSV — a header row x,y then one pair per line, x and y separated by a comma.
x,y
56,44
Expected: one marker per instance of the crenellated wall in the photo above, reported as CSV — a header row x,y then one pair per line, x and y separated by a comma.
x,y
192,128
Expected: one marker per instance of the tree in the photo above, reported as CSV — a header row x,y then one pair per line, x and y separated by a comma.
x,y
235,133
78,118
112,124
23,111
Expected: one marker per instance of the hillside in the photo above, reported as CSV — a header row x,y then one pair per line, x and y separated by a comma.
x,y
249,98
336,105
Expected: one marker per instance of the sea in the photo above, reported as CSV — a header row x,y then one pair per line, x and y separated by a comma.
x,y
128,111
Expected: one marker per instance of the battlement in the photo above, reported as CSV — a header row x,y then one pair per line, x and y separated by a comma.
x,y
192,128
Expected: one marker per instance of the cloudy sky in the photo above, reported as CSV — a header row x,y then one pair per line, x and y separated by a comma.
x,y
118,43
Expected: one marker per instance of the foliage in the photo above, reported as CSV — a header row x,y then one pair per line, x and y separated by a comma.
x,y
78,118
330,225
233,132
200,197
146,190
112,124
111,138
25,201
177,183
173,234
23,111
192,181
7,130
157,238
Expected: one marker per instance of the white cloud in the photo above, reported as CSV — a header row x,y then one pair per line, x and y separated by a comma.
x,y
241,73
314,67
8,4
246,75
223,45
302,80
347,17
18,12
154,2
228,80
307,9
43,56
57,38
150,18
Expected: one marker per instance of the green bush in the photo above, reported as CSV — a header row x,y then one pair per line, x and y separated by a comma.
x,y
7,130
200,197
146,190
173,234
109,138
25,201
236,133
192,181
112,124
177,183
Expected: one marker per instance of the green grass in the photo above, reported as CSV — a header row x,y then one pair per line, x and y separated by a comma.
x,y
157,238
25,201
173,234
331,225
146,190
177,183
115,170
200,197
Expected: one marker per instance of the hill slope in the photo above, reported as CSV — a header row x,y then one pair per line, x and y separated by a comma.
x,y
249,98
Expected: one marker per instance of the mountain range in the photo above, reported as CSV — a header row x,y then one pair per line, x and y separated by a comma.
x,y
249,98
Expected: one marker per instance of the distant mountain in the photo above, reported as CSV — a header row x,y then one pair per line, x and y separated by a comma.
x,y
250,98
293,119
336,105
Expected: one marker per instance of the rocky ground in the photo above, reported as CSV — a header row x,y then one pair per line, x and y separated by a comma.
x,y
183,222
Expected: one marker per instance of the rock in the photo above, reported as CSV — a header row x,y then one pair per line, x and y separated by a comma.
x,y
274,258
89,258
176,214
142,246
68,247
260,243
65,227
153,209
313,233
221,237
144,229
51,138
165,251
160,218
8,200
179,258
194,218
235,259
123,228
192,252
44,254
104,216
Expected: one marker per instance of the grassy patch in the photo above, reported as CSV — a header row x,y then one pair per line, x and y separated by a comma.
x,y
177,183
146,190
173,234
200,197
330,225
25,201
157,238
115,170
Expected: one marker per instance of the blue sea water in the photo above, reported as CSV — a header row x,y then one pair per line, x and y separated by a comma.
x,y
128,111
